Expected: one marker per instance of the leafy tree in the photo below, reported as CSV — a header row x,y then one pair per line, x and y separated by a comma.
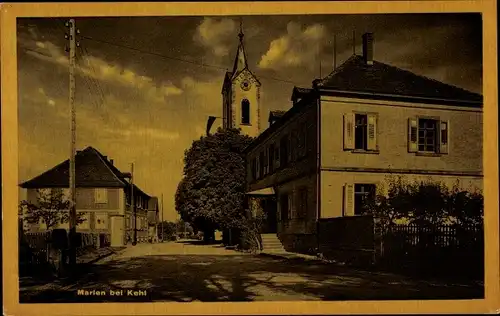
x,y
212,192
51,205
169,230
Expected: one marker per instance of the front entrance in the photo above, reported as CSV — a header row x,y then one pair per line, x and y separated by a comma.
x,y
117,233
269,208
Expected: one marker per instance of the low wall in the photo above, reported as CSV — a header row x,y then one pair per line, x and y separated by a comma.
x,y
301,243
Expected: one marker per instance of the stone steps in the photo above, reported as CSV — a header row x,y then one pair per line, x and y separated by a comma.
x,y
271,243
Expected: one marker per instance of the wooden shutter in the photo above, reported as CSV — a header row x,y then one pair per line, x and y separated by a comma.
x,y
372,132
444,136
412,135
101,195
348,199
349,131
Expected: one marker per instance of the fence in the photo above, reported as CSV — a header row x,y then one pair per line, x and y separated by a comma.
x,y
347,239
36,250
428,250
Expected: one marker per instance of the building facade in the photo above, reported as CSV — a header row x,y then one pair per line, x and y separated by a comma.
x,y
347,136
103,197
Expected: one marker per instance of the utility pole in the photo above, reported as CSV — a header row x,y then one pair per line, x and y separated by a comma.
x,y
72,174
132,203
334,51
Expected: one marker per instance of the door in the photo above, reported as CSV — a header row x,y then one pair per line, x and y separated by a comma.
x,y
117,233
270,224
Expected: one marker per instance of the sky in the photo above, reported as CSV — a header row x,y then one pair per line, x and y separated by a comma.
x,y
145,86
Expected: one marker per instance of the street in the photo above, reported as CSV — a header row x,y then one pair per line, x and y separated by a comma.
x,y
187,271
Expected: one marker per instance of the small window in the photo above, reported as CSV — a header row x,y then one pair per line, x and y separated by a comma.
x,y
364,194
101,195
245,111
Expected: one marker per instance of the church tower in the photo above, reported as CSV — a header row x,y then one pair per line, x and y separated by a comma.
x,y
241,95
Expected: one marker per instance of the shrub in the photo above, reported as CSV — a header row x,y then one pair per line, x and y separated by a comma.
x,y
426,204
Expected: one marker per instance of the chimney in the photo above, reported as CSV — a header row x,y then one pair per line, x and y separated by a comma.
x,y
112,162
368,48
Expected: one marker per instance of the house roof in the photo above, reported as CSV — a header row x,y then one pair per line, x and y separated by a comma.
x,y
92,169
354,75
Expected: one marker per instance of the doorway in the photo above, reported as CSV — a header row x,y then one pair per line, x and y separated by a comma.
x,y
270,224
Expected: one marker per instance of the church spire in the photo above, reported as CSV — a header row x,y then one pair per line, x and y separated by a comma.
x,y
240,61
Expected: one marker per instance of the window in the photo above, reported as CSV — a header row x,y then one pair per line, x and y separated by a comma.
x,y
301,140
360,132
271,158
261,164
360,127
284,151
277,156
245,111
101,195
292,141
253,167
257,168
363,195
428,135
266,162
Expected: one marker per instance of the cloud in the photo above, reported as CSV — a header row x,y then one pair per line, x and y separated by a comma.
x,y
215,34
296,48
101,70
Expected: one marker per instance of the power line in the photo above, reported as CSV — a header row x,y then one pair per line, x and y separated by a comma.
x,y
176,58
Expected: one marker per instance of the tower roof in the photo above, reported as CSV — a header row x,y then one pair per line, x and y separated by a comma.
x,y
240,62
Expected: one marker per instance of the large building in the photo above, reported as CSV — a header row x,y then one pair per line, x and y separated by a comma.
x,y
342,138
103,196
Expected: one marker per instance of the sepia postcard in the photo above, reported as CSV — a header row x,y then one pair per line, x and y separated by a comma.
x,y
250,158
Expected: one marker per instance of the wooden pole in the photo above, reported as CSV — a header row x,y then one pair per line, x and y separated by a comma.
x,y
132,204
72,173
162,217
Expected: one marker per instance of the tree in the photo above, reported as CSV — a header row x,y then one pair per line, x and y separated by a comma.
x,y
51,206
169,230
212,192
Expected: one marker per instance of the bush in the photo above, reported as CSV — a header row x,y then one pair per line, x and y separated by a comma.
x,y
427,204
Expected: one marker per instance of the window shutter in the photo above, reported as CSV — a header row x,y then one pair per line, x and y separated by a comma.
x,y
444,137
349,131
412,135
372,132
348,199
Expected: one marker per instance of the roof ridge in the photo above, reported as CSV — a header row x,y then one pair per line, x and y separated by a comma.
x,y
427,78
101,157
338,69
